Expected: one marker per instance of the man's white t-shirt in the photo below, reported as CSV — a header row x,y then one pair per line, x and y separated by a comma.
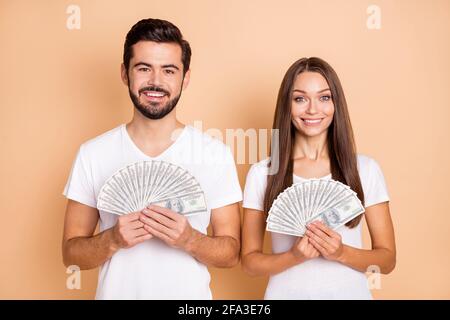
x,y
152,269
318,278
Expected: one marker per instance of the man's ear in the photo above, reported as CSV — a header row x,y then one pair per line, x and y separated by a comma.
x,y
124,74
186,79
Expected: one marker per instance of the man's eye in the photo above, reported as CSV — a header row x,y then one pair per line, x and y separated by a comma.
x,y
144,69
168,71
325,98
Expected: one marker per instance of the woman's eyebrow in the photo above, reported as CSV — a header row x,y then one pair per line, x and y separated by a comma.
x,y
302,91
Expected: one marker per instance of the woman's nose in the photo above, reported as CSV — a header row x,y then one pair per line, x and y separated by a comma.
x,y
312,107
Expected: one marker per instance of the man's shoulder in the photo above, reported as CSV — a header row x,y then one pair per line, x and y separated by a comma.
x,y
210,143
102,142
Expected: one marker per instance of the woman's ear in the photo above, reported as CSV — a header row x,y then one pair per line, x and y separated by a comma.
x,y
123,74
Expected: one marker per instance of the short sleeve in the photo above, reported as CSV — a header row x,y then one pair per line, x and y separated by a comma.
x,y
226,188
374,185
79,186
255,187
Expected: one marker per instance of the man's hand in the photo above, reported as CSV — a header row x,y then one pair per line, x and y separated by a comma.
x,y
171,227
129,231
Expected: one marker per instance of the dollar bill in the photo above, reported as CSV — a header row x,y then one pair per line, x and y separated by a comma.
x,y
315,185
279,211
339,214
128,185
327,186
273,227
109,196
186,205
136,185
190,186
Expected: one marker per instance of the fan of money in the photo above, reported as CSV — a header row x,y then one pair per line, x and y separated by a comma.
x,y
326,200
161,183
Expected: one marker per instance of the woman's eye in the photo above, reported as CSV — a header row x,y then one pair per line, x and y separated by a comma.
x,y
325,98
299,99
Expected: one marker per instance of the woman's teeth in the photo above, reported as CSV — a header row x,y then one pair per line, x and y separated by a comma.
x,y
312,121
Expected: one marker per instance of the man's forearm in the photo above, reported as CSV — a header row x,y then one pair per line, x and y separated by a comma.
x,y
220,251
89,252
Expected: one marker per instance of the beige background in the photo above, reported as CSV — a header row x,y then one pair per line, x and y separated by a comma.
x,y
61,87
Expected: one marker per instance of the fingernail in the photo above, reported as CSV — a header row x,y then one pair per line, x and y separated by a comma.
x,y
145,211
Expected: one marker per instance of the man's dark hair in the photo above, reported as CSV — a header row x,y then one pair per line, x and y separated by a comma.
x,y
158,31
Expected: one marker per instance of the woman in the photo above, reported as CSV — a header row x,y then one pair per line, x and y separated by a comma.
x,y
316,140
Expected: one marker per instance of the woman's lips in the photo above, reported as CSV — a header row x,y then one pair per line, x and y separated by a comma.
x,y
312,122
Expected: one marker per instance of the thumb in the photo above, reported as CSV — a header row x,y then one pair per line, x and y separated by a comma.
x,y
303,242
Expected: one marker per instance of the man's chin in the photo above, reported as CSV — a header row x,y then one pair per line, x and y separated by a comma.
x,y
152,112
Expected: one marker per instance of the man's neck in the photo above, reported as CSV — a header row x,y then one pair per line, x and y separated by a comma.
x,y
154,136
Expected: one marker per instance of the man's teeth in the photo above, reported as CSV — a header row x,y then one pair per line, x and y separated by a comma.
x,y
312,121
154,94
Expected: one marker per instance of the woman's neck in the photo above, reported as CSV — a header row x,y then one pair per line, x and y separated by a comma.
x,y
312,148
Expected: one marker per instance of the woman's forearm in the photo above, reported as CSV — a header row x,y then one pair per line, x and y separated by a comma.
x,y
361,259
260,264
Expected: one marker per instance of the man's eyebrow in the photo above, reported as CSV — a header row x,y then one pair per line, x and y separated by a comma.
x,y
326,89
141,63
170,66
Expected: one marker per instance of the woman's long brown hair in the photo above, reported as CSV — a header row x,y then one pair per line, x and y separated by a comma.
x,y
340,139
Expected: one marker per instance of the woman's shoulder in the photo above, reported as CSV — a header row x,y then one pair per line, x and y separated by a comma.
x,y
262,165
260,168
368,167
372,180
365,162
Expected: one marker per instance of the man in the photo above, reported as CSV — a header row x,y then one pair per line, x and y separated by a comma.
x,y
155,253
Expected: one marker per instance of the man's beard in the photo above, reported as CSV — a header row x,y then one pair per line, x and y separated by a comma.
x,y
152,110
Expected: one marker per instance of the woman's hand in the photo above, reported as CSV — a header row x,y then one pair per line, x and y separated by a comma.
x,y
304,250
325,240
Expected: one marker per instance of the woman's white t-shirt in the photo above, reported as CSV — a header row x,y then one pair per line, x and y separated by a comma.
x,y
318,278
152,269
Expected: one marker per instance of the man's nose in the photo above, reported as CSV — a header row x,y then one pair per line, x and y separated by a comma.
x,y
155,78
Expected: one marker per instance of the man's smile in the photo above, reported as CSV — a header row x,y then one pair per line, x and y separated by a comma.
x,y
153,96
